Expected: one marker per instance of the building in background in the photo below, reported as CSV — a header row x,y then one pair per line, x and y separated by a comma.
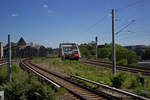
x,y
139,49
1,50
22,50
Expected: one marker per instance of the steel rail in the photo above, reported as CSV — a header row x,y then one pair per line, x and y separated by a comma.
x,y
1,64
134,67
3,59
123,68
37,73
112,88
81,91
5,62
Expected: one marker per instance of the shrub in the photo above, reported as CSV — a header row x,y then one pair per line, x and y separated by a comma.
x,y
26,86
148,84
20,91
118,79
3,75
122,62
135,81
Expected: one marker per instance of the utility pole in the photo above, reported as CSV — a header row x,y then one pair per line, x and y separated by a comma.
x,y
113,45
96,39
9,59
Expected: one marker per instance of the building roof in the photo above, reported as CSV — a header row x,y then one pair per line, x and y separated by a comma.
x,y
21,42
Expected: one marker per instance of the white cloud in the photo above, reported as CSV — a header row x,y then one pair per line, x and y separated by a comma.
x,y
45,6
45,40
14,15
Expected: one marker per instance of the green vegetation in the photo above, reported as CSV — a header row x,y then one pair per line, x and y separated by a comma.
x,y
26,86
123,80
146,54
88,50
118,79
123,55
76,68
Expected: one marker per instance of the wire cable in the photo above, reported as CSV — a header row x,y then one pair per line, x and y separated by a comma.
x,y
131,5
125,27
99,21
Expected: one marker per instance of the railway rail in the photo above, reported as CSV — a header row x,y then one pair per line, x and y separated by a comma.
x,y
144,71
123,94
137,67
82,92
3,62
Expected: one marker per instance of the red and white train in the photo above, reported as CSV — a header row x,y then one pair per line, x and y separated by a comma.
x,y
69,51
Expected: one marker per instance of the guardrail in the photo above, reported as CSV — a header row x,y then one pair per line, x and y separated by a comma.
x,y
112,88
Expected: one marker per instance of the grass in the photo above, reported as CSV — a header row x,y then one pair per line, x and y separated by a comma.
x,y
26,86
76,68
123,80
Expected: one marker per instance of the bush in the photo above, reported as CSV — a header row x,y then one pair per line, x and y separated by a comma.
x,y
135,81
3,75
118,79
148,84
122,62
26,86
21,91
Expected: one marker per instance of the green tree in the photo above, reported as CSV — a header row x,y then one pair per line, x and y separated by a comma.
x,y
121,53
87,50
125,56
132,58
104,52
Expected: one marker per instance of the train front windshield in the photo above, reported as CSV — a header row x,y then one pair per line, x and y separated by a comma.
x,y
75,52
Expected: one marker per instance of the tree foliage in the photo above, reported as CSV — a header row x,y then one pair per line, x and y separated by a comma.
x,y
87,50
104,52
123,55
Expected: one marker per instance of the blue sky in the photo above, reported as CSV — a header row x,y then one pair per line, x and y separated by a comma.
x,y
49,22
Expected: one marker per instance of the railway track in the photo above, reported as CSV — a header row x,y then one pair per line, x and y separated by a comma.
x,y
144,71
3,62
81,92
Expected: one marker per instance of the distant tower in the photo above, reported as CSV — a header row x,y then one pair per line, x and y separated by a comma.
x,y
1,50
21,42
